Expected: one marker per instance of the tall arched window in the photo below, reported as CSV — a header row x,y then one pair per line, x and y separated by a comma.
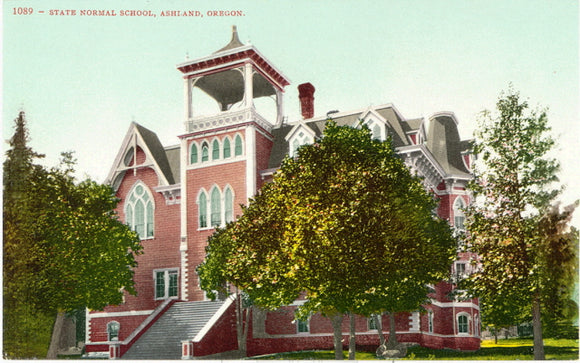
x,y
458,215
113,328
238,147
463,323
216,208
204,152
202,203
193,154
229,205
215,150
139,211
227,148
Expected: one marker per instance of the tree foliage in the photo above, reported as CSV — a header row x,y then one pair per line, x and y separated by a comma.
x,y
344,223
513,190
64,247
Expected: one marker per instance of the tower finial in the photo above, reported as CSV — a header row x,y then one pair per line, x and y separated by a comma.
x,y
234,43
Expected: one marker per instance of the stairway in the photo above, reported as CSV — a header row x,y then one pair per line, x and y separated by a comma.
x,y
182,321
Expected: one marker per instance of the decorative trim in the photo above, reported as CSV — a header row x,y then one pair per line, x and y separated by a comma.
x,y
215,318
120,313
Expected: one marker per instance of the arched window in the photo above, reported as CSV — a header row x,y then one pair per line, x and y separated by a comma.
x,y
193,154
202,203
113,328
458,215
215,150
238,147
227,148
139,211
229,205
204,152
463,323
216,208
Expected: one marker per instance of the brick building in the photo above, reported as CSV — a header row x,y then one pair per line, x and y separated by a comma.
x,y
175,196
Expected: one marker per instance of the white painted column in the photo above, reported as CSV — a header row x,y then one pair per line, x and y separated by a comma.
x,y
249,85
250,161
279,107
188,84
183,219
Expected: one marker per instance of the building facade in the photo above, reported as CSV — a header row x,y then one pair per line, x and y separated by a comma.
x,y
175,197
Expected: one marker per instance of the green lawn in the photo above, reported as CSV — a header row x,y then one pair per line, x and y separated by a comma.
x,y
512,349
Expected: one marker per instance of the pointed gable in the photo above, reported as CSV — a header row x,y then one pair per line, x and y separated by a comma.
x,y
140,139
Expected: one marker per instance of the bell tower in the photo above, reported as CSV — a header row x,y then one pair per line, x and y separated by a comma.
x,y
224,150
234,76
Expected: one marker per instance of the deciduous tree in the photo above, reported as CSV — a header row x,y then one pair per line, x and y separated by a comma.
x,y
513,189
345,224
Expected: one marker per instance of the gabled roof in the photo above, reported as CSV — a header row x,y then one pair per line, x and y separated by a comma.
x,y
157,150
386,112
164,161
443,140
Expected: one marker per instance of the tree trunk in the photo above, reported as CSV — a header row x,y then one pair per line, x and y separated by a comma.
x,y
392,343
242,325
352,338
55,338
379,322
337,327
495,335
537,323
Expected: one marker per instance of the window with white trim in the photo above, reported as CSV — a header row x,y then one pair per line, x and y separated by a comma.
x,y
238,146
166,283
377,129
193,153
302,138
216,208
227,149
460,270
303,326
458,215
463,323
202,208
139,210
430,320
204,152
229,205
372,322
215,150
113,328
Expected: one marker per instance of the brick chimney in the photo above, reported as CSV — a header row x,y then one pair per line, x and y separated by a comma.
x,y
306,95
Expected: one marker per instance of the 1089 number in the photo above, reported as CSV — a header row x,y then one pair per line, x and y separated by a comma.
x,y
23,11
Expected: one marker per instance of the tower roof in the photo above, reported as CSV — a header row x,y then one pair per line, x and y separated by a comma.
x,y
233,55
234,43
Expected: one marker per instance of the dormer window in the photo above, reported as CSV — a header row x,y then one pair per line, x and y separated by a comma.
x,y
377,128
302,138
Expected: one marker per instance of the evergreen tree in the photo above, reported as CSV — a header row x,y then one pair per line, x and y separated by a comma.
x,y
64,247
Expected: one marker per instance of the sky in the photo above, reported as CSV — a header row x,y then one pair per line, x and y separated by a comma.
x,y
83,79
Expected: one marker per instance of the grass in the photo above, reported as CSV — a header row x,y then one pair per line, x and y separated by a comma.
x,y
511,349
